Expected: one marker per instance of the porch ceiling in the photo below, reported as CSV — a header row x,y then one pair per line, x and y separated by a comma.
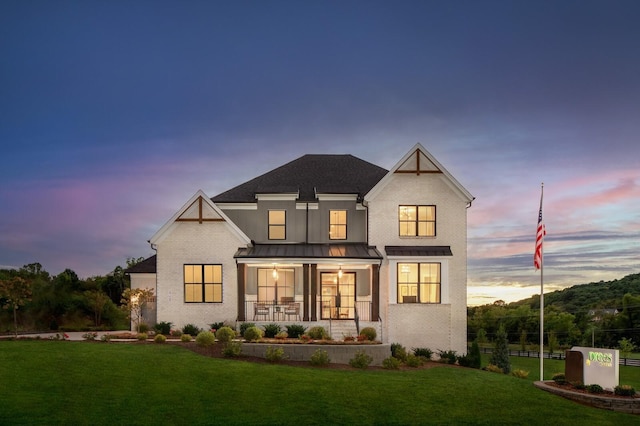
x,y
309,251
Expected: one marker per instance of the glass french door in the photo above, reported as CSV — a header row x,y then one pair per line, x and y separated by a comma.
x,y
338,295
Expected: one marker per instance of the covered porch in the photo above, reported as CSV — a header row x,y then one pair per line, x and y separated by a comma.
x,y
308,282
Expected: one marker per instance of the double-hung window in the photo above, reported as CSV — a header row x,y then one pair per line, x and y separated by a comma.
x,y
419,282
203,283
338,224
417,221
277,224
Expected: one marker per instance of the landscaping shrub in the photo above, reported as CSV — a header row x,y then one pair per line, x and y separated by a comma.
x,y
425,353
106,338
191,329
185,338
143,328
398,351
216,326
163,327
160,338
142,336
244,326
624,390
448,357
370,333
282,335
391,363
176,333
595,388
225,334
413,361
253,333
320,358
559,378
520,374
205,338
295,330
274,354
317,333
361,360
270,330
464,360
232,349
500,354
475,359
494,369
90,335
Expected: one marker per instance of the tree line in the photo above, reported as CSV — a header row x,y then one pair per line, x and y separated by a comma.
x,y
597,314
33,300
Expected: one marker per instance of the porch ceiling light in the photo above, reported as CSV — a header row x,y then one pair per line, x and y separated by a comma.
x,y
274,273
340,272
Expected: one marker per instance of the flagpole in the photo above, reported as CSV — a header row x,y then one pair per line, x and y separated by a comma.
x,y
541,352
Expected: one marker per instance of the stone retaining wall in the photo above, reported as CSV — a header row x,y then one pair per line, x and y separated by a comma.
x,y
624,405
338,354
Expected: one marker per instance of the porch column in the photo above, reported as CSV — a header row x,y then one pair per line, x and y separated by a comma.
x,y
375,292
314,292
305,292
241,286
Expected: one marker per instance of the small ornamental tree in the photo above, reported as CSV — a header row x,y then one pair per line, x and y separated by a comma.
x,y
500,355
474,355
15,292
133,302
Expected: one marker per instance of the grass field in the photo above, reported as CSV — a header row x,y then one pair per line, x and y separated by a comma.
x,y
54,382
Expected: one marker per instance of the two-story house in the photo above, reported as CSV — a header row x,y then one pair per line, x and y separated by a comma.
x,y
327,240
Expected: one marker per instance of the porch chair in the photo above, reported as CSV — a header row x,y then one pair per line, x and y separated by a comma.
x,y
292,309
260,309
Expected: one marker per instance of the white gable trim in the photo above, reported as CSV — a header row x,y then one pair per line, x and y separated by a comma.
x,y
175,219
433,166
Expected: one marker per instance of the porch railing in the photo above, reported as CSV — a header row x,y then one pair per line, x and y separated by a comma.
x,y
294,311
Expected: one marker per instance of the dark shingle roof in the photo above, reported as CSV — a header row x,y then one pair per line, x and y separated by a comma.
x,y
418,250
147,266
345,251
333,174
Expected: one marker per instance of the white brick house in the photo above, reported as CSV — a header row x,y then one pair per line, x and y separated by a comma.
x,y
327,240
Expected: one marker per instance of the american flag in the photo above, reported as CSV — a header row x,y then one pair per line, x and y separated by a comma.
x,y
540,233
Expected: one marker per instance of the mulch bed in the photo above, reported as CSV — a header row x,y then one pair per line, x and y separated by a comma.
x,y
571,388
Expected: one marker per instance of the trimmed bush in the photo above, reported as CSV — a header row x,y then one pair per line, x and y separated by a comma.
x,y
494,369
317,333
205,338
320,358
225,334
216,326
176,333
191,329
270,330
624,390
398,351
244,326
163,327
282,335
185,338
232,349
295,330
142,336
448,357
252,334
160,338
361,360
559,378
274,354
370,333
413,361
500,354
595,388
143,328
475,359
391,363
425,353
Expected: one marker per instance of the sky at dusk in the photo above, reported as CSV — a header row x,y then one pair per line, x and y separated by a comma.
x,y
114,113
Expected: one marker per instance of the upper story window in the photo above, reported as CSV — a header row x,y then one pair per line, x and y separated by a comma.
x,y
419,282
417,221
277,224
338,224
203,283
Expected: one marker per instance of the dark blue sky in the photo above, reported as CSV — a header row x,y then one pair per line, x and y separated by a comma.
x,y
112,114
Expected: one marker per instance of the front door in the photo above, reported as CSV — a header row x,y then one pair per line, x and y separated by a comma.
x,y
338,295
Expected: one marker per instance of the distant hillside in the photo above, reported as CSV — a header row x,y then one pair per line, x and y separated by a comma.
x,y
582,297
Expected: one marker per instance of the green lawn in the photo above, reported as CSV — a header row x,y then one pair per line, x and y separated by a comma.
x,y
53,382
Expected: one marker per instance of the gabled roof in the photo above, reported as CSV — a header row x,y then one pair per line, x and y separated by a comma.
x,y
420,161
310,175
147,266
198,209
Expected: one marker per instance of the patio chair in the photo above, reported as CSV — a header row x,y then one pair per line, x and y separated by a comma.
x,y
292,309
260,309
